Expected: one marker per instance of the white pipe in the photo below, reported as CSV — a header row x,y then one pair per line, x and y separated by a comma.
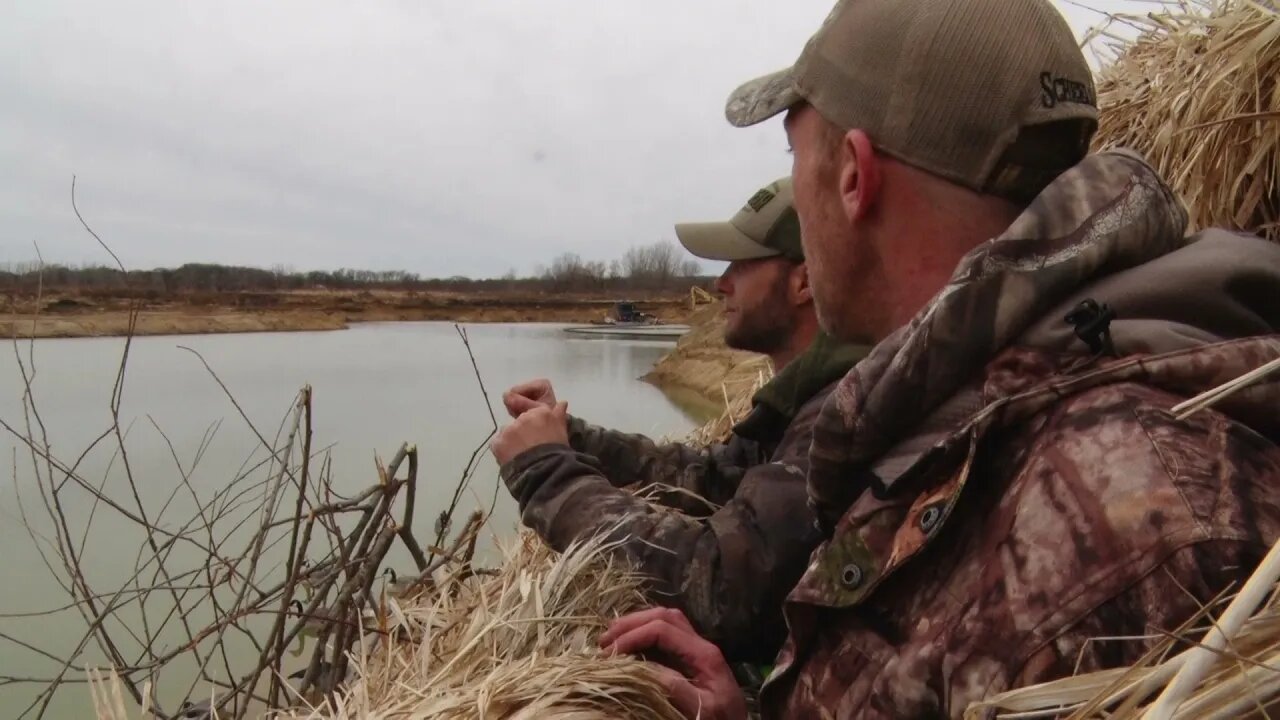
x,y
1199,659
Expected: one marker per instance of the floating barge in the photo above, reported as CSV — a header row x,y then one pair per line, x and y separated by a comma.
x,y
626,321
629,331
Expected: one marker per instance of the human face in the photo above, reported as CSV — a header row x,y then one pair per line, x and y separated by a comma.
x,y
757,306
827,234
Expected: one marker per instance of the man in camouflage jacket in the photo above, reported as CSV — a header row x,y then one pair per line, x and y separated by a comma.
x,y
728,530
1003,478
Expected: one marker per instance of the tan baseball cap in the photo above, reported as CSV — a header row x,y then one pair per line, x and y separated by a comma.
x,y
969,90
767,226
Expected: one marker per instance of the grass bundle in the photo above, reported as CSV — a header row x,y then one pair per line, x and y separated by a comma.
x,y
517,643
514,643
737,404
1198,93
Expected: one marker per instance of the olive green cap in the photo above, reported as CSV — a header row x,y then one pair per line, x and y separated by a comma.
x,y
767,226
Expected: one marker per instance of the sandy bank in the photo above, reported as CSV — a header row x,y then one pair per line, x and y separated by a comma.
x,y
76,316
701,364
109,324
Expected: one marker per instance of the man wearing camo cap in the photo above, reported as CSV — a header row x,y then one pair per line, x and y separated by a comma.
x,y
1003,478
743,532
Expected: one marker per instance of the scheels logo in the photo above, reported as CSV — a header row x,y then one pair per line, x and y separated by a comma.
x,y
1054,90
760,199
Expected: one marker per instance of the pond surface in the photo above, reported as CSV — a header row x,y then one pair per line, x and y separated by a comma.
x,y
374,387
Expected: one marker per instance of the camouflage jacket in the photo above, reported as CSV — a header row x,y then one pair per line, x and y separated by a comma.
x,y
994,493
722,531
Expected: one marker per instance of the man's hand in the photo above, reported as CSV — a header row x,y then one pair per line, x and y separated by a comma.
x,y
696,677
527,396
540,425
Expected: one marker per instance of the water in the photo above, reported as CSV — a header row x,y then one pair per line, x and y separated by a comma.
x,y
375,386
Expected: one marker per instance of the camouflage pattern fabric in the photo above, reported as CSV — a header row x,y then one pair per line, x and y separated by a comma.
x,y
723,532
993,496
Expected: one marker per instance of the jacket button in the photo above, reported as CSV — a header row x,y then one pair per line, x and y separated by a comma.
x,y
930,517
851,576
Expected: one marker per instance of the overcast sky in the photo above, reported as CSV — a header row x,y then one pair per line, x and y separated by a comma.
x,y
443,137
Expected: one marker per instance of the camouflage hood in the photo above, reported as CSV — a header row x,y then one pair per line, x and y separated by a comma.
x,y
1109,229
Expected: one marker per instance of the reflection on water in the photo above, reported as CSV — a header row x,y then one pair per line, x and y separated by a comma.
x,y
375,386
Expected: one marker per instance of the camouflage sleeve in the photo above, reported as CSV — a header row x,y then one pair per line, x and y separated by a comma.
x,y
729,573
712,473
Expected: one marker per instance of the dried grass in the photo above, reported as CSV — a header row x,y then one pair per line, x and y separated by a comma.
x,y
737,404
514,643
1198,93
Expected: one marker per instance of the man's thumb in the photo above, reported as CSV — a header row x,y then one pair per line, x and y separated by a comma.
x,y
561,410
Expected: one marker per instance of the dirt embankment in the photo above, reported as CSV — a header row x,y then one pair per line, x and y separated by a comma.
x,y
703,366
66,315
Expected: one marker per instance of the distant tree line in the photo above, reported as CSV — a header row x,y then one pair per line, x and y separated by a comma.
x,y
651,267
657,267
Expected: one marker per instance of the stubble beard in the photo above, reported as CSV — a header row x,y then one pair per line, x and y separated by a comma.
x,y
764,327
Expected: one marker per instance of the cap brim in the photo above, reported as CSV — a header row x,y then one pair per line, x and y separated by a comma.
x,y
760,99
720,241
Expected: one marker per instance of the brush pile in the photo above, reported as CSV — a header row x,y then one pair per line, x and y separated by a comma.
x,y
514,643
456,639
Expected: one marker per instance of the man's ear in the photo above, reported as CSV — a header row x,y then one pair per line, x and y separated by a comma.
x,y
798,283
859,175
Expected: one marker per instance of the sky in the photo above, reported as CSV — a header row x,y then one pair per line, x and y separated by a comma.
x,y
458,137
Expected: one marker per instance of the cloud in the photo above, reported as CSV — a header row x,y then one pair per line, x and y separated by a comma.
x,y
438,137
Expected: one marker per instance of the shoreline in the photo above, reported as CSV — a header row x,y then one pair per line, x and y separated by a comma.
x,y
702,366
699,374
78,317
